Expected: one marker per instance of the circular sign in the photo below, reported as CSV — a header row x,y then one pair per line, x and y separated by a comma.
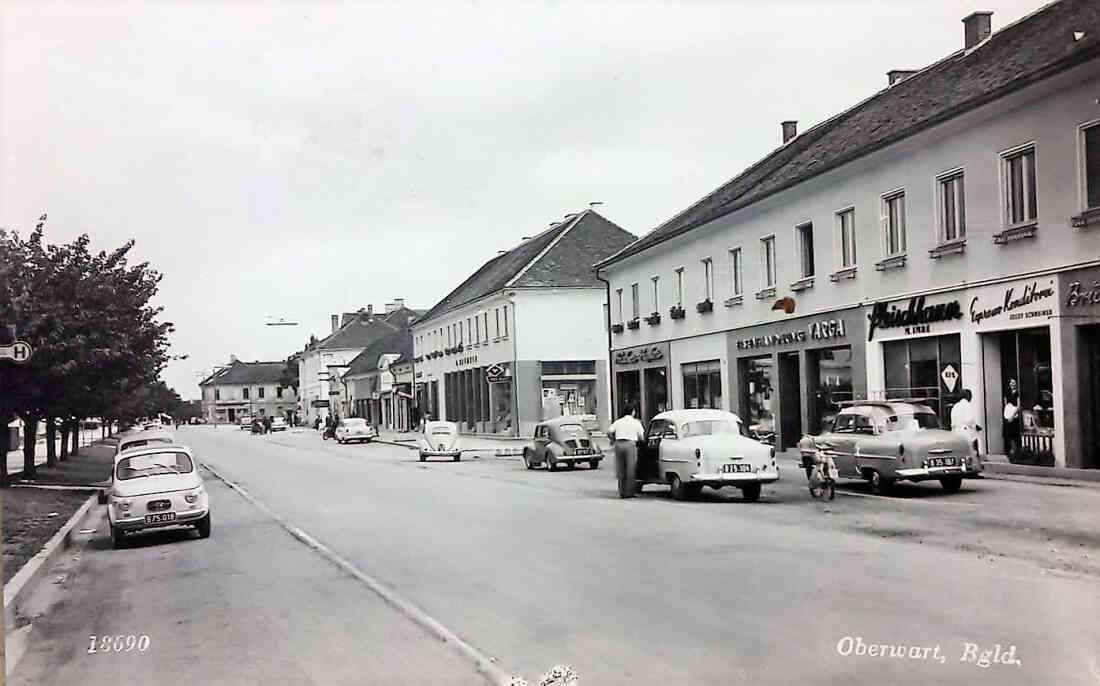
x,y
18,352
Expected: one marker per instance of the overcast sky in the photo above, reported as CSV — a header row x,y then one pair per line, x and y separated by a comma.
x,y
300,160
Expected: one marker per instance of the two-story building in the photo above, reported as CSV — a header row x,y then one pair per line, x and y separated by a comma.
x,y
247,388
940,235
371,384
523,337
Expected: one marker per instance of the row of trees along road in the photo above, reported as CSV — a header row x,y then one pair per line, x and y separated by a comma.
x,y
98,346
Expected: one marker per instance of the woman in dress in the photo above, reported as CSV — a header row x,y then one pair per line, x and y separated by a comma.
x,y
1011,431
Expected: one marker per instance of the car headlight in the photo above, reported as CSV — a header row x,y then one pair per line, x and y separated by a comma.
x,y
123,505
193,496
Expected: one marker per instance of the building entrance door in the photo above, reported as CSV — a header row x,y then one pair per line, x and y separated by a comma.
x,y
656,393
1090,425
628,389
790,404
232,416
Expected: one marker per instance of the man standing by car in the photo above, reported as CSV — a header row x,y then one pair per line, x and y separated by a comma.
x,y
626,432
963,420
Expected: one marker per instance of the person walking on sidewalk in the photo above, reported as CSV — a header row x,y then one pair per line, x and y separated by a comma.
x,y
626,432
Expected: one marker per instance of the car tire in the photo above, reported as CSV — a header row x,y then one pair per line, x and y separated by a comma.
x,y
551,466
458,458
676,488
527,459
750,493
951,484
423,457
118,539
875,483
593,464
203,526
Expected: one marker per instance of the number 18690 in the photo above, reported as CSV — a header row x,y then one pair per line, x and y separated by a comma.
x,y
118,644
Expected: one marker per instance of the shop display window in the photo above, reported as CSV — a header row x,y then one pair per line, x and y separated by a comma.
x,y
1028,384
703,385
759,385
834,384
916,369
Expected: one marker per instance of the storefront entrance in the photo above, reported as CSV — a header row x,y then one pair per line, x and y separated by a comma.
x,y
790,411
641,380
757,384
829,377
1090,391
1019,371
656,392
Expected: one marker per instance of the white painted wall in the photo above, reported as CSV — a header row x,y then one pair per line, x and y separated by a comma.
x,y
561,324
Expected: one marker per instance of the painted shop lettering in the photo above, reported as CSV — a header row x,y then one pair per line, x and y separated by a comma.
x,y
1080,298
1009,302
915,317
772,339
829,328
651,354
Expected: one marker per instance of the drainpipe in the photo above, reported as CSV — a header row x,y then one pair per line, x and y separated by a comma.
x,y
515,365
610,368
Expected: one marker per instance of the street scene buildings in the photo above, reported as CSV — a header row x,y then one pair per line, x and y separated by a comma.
x,y
247,389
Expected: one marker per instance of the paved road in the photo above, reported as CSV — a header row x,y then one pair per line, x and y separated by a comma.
x,y
539,568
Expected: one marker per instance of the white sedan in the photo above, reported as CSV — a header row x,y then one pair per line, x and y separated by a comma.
x,y
689,449
156,487
354,429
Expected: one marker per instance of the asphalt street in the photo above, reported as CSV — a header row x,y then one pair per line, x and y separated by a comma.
x,y
537,569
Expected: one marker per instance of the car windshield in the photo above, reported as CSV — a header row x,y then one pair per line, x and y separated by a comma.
x,y
442,431
152,464
852,422
709,427
571,429
908,421
143,442
355,423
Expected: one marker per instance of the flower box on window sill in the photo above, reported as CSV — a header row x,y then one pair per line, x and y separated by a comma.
x,y
735,300
841,274
704,307
653,319
895,262
803,284
633,324
616,328
1016,233
765,293
676,312
956,247
1090,217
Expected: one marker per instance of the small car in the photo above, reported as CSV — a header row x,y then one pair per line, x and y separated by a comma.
x,y
153,487
889,441
689,449
258,426
278,424
244,421
355,429
562,441
142,439
440,439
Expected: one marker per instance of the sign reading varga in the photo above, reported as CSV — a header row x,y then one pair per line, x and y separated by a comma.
x,y
18,352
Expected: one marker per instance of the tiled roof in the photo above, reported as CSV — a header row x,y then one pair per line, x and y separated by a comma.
x,y
399,342
248,372
1031,49
365,329
568,263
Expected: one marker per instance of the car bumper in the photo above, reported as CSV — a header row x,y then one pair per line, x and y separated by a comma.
x,y
359,437
766,476
440,453
927,473
183,518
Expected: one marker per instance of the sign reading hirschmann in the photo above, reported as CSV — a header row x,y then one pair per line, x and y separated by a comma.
x,y
915,318
821,330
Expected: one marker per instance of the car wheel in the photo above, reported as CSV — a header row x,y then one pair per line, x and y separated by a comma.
x,y
458,457
750,492
117,537
423,457
550,464
693,491
951,484
527,459
204,526
593,464
875,483
676,488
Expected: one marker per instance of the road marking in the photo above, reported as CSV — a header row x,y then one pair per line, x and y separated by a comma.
x,y
485,665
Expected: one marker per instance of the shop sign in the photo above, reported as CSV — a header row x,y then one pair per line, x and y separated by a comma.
x,y
318,403
950,377
992,304
1080,294
651,353
915,318
821,330
469,359
495,373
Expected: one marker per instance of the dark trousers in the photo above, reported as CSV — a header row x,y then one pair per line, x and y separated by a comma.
x,y
626,462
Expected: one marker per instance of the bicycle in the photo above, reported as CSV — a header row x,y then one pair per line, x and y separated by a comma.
x,y
822,476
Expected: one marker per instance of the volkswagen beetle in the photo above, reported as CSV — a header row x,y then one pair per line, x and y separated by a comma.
x,y
156,486
440,439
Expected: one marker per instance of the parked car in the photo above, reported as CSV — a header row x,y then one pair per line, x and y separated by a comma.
x,y
885,442
258,425
355,429
142,439
562,441
154,487
689,449
245,421
440,439
278,424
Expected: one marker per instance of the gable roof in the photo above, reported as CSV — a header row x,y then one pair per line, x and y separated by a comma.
x,y
399,342
1018,55
247,372
559,256
364,329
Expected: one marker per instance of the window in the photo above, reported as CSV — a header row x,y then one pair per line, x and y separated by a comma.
x,y
634,301
1019,185
951,207
703,385
477,329
805,235
708,279
656,299
261,391
217,394
846,237
619,300
505,308
485,317
496,313
893,223
736,267
470,331
680,287
450,343
244,393
278,391
1090,141
767,260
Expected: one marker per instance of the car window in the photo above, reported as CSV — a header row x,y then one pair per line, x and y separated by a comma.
x,y
904,421
852,422
152,464
657,427
355,423
710,427
571,428
441,431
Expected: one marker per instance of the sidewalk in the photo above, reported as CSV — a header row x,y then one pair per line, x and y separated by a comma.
x,y
15,457
504,446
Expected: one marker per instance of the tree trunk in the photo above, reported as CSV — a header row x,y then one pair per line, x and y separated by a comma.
x,y
75,433
64,440
51,442
30,438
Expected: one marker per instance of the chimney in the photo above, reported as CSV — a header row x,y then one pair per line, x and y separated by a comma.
x,y
370,310
895,75
790,130
232,359
335,322
976,28
390,307
398,303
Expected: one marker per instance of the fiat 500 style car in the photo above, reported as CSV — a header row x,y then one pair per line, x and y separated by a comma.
x,y
689,449
440,439
278,424
562,441
884,442
142,439
354,429
155,487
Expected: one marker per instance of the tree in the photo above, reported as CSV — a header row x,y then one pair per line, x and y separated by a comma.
x,y
289,377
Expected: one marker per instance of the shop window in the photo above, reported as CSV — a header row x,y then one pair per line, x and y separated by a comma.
x,y
1026,365
950,200
703,384
767,260
758,378
831,376
915,371
804,234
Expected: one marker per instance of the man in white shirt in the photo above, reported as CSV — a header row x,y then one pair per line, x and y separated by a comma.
x,y
626,432
963,420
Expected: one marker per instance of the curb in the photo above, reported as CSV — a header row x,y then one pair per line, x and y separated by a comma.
x,y
27,579
485,665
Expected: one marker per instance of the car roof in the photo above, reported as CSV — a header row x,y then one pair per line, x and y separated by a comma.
x,y
440,422
895,407
146,435
159,448
695,415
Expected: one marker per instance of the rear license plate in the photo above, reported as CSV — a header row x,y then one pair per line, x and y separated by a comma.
x,y
735,468
941,462
160,518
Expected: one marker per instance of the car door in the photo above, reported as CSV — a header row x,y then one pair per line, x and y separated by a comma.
x,y
840,443
541,436
650,449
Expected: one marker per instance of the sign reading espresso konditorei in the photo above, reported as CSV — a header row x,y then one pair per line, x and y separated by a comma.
x,y
915,318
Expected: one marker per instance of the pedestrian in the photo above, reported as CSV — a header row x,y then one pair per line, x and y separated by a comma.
x,y
964,421
1011,427
626,432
